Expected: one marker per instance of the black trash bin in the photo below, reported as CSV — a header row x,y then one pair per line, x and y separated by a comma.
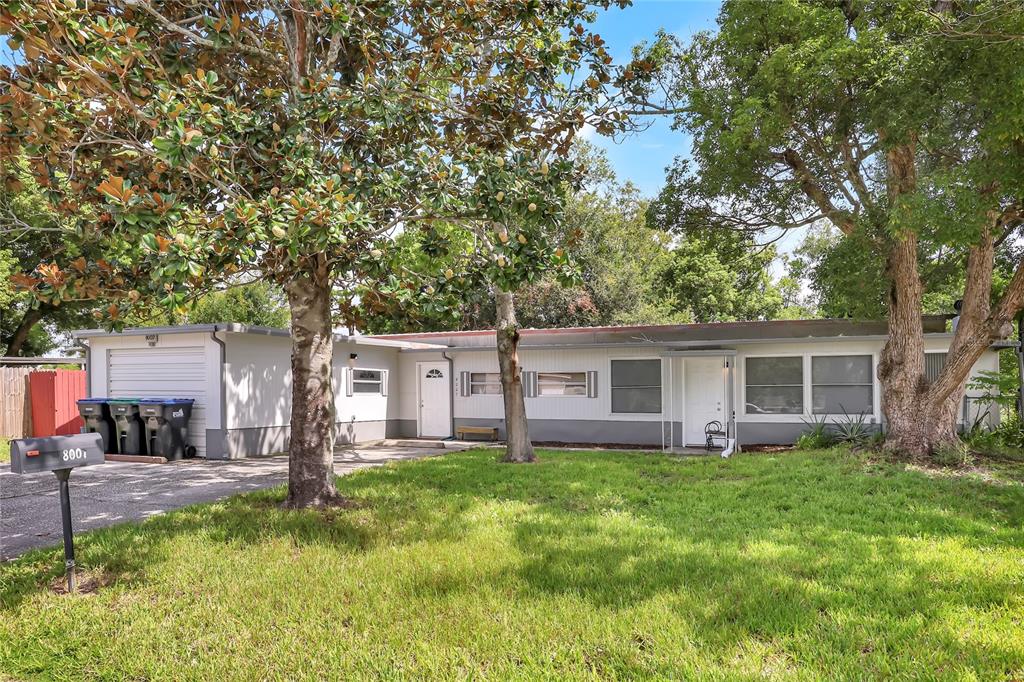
x,y
96,414
130,439
166,422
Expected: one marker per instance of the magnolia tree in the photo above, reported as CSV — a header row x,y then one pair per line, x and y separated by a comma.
x,y
892,123
291,142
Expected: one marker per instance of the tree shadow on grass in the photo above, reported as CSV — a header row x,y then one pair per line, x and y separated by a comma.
x,y
123,553
827,549
756,548
867,600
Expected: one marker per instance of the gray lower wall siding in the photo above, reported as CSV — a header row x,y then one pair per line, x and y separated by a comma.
x,y
634,433
406,428
759,433
240,443
583,431
765,433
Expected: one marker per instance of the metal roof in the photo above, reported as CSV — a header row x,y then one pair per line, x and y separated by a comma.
x,y
235,328
19,360
673,334
704,335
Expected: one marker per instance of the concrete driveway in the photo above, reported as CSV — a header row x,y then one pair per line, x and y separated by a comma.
x,y
118,491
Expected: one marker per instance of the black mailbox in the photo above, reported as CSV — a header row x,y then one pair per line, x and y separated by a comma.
x,y
35,455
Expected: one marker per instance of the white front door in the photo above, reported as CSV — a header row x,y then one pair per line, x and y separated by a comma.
x,y
705,396
434,392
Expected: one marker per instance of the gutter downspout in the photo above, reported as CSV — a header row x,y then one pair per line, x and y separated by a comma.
x,y
223,393
451,390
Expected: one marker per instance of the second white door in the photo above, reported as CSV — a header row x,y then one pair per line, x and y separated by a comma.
x,y
435,408
705,396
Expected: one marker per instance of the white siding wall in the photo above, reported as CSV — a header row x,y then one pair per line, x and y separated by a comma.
x,y
533,360
599,408
178,366
404,382
362,407
989,361
259,382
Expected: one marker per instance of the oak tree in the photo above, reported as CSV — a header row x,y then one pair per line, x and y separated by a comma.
x,y
902,126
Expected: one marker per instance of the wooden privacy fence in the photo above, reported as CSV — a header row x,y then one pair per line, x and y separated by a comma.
x,y
40,402
15,415
54,396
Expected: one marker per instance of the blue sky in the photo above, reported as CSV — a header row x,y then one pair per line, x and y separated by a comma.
x,y
642,157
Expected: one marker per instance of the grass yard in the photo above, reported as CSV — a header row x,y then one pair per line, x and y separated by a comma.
x,y
5,450
803,565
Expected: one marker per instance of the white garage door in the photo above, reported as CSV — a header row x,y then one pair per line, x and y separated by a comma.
x,y
163,373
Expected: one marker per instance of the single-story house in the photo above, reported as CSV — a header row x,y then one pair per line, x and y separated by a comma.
x,y
638,385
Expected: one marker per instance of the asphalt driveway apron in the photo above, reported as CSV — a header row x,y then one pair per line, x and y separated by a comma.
x,y
120,491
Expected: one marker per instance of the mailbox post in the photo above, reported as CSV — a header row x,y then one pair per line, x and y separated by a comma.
x,y
59,454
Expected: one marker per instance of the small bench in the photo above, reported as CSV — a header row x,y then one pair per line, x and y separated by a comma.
x,y
462,431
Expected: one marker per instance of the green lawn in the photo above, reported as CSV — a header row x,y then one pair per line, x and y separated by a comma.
x,y
811,565
5,450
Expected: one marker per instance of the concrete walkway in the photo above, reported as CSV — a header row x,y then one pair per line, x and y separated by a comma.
x,y
118,491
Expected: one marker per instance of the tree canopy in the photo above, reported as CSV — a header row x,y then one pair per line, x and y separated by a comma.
x,y
292,143
873,118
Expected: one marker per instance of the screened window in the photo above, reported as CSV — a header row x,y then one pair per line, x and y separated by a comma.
x,y
775,385
562,383
636,386
841,384
484,383
366,380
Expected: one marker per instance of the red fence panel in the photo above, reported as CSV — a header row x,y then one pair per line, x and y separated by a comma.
x,y
54,397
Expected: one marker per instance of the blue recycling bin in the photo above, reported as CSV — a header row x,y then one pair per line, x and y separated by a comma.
x,y
166,421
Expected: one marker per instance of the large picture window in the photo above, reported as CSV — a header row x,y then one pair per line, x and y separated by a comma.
x,y
841,384
775,385
636,386
484,383
562,383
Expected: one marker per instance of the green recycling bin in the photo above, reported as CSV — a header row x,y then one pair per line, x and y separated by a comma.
x,y
96,414
166,421
128,427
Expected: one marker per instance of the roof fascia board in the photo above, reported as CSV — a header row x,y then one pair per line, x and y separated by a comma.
x,y
673,344
234,328
700,353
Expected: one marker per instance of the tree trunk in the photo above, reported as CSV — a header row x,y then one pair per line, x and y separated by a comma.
x,y
311,452
901,369
29,320
917,423
923,417
518,445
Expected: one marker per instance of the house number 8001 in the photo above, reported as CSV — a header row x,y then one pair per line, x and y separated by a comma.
x,y
72,454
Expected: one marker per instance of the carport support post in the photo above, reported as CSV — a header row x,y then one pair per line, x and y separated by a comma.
x,y
65,516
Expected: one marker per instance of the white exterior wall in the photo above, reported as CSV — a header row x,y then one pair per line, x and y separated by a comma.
x,y
258,378
205,389
556,407
362,407
988,361
404,384
583,409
